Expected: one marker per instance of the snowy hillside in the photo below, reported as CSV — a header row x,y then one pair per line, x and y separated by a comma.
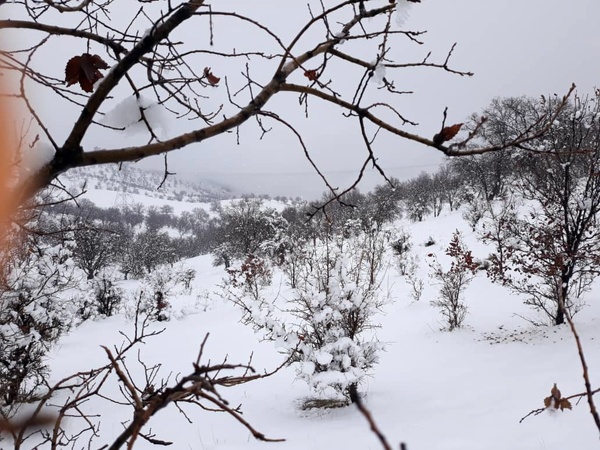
x,y
432,390
129,181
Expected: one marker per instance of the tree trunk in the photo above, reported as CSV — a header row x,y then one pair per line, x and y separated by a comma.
x,y
565,278
560,315
353,394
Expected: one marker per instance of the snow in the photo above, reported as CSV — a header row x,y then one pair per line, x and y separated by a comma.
x,y
379,72
402,12
35,158
105,199
126,115
433,390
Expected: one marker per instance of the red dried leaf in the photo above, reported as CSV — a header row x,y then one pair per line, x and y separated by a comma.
x,y
86,84
312,75
210,77
72,70
99,62
447,133
84,70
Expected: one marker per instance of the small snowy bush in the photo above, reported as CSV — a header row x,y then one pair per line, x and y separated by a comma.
x,y
326,326
416,284
453,281
401,246
108,297
152,299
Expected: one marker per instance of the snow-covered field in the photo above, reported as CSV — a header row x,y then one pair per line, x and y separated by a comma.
x,y
433,389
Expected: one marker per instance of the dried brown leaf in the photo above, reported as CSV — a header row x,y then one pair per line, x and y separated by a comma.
x,y
451,131
72,70
210,77
312,75
84,69
447,134
565,404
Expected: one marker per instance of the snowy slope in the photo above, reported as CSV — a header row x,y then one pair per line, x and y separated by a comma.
x,y
111,184
433,390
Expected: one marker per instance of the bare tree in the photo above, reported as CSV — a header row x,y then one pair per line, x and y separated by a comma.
x,y
93,247
550,253
154,65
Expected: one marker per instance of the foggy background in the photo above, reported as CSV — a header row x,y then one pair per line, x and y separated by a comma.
x,y
514,47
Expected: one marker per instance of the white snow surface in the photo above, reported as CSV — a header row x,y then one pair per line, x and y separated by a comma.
x,y
127,115
433,390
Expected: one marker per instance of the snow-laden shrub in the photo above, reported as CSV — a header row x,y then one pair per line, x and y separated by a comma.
x,y
401,246
32,316
108,296
152,298
414,281
474,212
100,297
326,325
248,282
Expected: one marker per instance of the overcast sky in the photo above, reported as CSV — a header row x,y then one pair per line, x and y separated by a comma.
x,y
514,47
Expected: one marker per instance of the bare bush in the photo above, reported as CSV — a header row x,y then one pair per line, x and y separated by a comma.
x,y
71,424
453,281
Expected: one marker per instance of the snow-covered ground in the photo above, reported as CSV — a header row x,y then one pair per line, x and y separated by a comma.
x,y
433,389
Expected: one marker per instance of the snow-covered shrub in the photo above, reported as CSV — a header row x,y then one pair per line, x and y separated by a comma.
x,y
167,279
401,246
474,212
245,227
245,285
148,303
108,296
416,284
295,256
453,281
222,255
152,298
94,247
550,247
335,303
326,325
100,297
185,277
32,315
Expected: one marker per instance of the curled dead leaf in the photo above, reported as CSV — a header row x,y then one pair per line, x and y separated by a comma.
x,y
312,75
556,401
565,404
210,77
447,134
